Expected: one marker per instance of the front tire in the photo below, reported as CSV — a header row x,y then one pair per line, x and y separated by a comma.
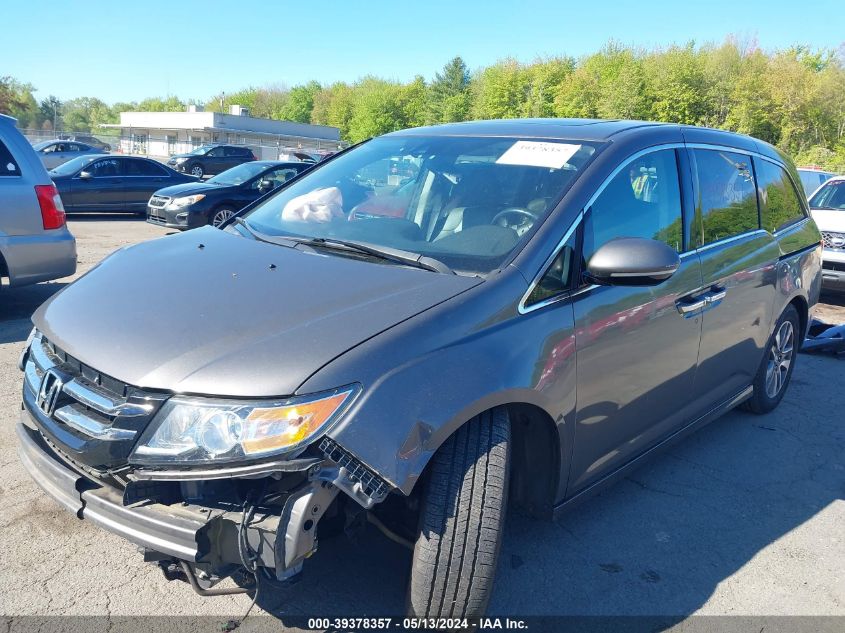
x,y
196,170
462,521
775,371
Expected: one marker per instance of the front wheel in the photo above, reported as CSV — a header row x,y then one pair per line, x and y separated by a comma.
x,y
221,215
462,521
774,373
196,170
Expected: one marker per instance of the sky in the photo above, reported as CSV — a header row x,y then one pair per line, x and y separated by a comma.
x,y
126,51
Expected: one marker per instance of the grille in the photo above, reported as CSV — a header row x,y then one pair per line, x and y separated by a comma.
x,y
88,416
833,241
373,485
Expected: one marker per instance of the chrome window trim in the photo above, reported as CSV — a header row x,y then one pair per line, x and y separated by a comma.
x,y
732,238
523,309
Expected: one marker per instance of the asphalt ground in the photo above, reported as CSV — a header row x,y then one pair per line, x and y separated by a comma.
x,y
745,517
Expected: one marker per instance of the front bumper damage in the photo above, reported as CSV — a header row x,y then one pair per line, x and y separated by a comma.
x,y
279,536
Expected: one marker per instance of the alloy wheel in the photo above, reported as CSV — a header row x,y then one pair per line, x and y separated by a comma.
x,y
196,170
221,216
780,359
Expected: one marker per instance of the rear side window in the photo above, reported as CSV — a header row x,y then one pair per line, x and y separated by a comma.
x,y
779,202
726,203
642,200
8,164
143,168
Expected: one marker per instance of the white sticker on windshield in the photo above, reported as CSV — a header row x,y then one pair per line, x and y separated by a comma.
x,y
538,154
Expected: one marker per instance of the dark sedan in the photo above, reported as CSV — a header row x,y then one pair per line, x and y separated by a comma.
x,y
121,184
217,199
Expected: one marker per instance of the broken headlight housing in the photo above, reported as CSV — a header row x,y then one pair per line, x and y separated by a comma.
x,y
190,431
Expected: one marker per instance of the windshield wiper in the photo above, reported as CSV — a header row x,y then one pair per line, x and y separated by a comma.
x,y
386,253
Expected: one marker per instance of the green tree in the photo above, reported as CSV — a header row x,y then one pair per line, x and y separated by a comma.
x,y
299,104
500,91
449,94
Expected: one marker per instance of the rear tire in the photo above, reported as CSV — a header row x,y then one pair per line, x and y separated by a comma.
x,y
462,521
772,378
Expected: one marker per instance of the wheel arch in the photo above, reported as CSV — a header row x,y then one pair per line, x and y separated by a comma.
x,y
535,471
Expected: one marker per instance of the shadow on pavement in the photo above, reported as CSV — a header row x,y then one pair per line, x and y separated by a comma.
x,y
660,542
17,306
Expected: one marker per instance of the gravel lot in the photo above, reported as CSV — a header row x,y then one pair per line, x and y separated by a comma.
x,y
744,518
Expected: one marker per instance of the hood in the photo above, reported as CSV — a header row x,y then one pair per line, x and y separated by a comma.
x,y
203,312
829,219
186,155
190,188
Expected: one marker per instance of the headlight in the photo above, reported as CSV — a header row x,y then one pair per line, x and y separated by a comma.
x,y
181,160
178,203
198,430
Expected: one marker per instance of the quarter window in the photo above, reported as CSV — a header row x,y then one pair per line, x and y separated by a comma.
x,y
558,277
642,200
727,200
8,164
779,203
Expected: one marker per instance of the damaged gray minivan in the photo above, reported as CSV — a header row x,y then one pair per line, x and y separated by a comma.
x,y
418,333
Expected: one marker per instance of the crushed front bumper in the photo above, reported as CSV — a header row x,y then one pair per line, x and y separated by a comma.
x,y
207,537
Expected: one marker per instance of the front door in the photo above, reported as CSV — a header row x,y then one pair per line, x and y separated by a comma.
x,y
637,349
103,191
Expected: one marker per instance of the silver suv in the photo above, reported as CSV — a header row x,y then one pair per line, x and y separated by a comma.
x,y
35,244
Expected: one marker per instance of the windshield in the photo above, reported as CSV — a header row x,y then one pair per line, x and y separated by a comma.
x,y
202,149
42,145
73,165
465,201
238,175
830,196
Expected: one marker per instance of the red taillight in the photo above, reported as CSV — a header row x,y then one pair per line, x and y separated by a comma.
x,y
52,209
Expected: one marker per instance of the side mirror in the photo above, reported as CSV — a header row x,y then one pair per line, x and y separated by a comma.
x,y
632,261
85,175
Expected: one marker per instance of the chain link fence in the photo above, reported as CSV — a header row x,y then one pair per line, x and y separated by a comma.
x,y
163,145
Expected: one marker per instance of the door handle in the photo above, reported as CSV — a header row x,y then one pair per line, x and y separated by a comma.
x,y
690,305
716,294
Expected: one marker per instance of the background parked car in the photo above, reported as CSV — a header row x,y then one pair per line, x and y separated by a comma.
x,y
35,244
827,205
93,141
54,153
112,183
217,199
211,159
812,179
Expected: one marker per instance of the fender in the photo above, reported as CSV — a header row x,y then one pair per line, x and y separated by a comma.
x,y
423,379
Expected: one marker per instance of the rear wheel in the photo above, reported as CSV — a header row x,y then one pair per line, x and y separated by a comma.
x,y
462,521
221,215
772,378
196,170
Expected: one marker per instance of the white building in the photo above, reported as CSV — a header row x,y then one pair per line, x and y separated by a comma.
x,y
162,134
